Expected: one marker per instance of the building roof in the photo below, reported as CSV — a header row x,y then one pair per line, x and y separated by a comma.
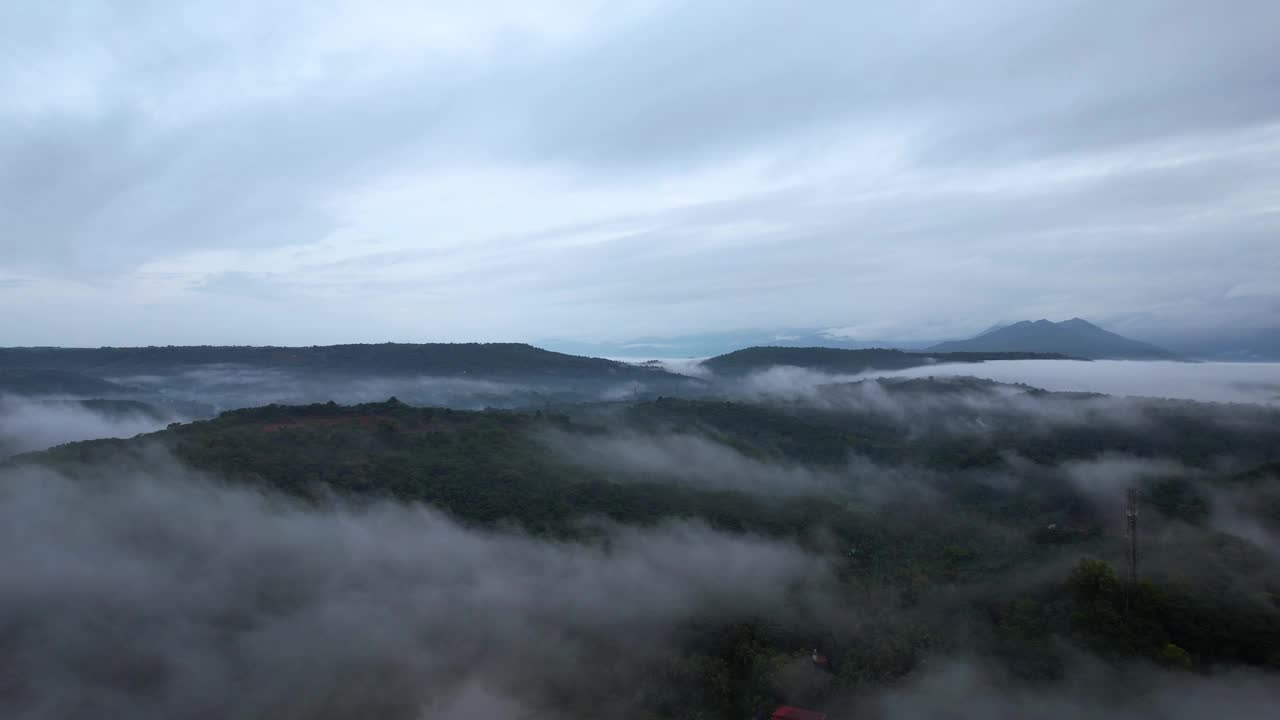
x,y
786,712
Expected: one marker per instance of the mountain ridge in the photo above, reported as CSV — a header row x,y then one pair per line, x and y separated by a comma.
x,y
1076,337
852,361
445,358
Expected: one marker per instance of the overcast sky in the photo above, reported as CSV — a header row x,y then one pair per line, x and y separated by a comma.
x,y
327,171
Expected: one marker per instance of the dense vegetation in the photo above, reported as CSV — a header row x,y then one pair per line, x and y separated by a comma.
x,y
973,543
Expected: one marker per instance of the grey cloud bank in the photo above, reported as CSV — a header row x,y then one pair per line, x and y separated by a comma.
x,y
216,174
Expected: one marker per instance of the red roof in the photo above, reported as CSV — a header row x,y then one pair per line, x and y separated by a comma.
x,y
787,712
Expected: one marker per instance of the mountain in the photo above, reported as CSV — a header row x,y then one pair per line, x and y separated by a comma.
x,y
837,360
718,343
197,380
1075,337
472,359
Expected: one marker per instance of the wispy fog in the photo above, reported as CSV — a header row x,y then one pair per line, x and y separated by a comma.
x,y
37,423
1203,381
963,690
1210,382
688,458
1105,479
691,367
165,595
701,461
224,387
951,404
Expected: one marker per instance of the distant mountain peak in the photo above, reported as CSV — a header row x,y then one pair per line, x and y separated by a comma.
x,y
993,328
1076,337
1076,322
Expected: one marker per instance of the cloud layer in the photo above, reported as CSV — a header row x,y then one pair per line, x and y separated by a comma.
x,y
214,172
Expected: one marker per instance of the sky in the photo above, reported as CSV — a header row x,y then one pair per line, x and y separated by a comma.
x,y
344,171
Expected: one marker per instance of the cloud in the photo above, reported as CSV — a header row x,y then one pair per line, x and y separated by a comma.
x,y
214,173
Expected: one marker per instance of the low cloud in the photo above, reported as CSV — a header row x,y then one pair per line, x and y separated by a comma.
x,y
702,461
954,403
1105,479
224,386
36,423
162,594
942,400
687,458
1205,382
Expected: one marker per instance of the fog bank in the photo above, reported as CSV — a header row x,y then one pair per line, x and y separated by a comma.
x,y
167,595
227,387
1207,382
964,690
37,423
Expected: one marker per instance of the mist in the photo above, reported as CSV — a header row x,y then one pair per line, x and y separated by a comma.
x,y
166,594
1202,381
925,405
953,404
225,387
37,423
970,688
153,591
688,458
695,460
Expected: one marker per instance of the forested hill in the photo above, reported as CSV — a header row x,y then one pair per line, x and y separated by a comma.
x,y
851,361
992,534
457,458
484,359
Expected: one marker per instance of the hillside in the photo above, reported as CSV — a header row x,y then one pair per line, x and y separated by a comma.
x,y
985,536
837,360
1074,337
483,359
290,443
